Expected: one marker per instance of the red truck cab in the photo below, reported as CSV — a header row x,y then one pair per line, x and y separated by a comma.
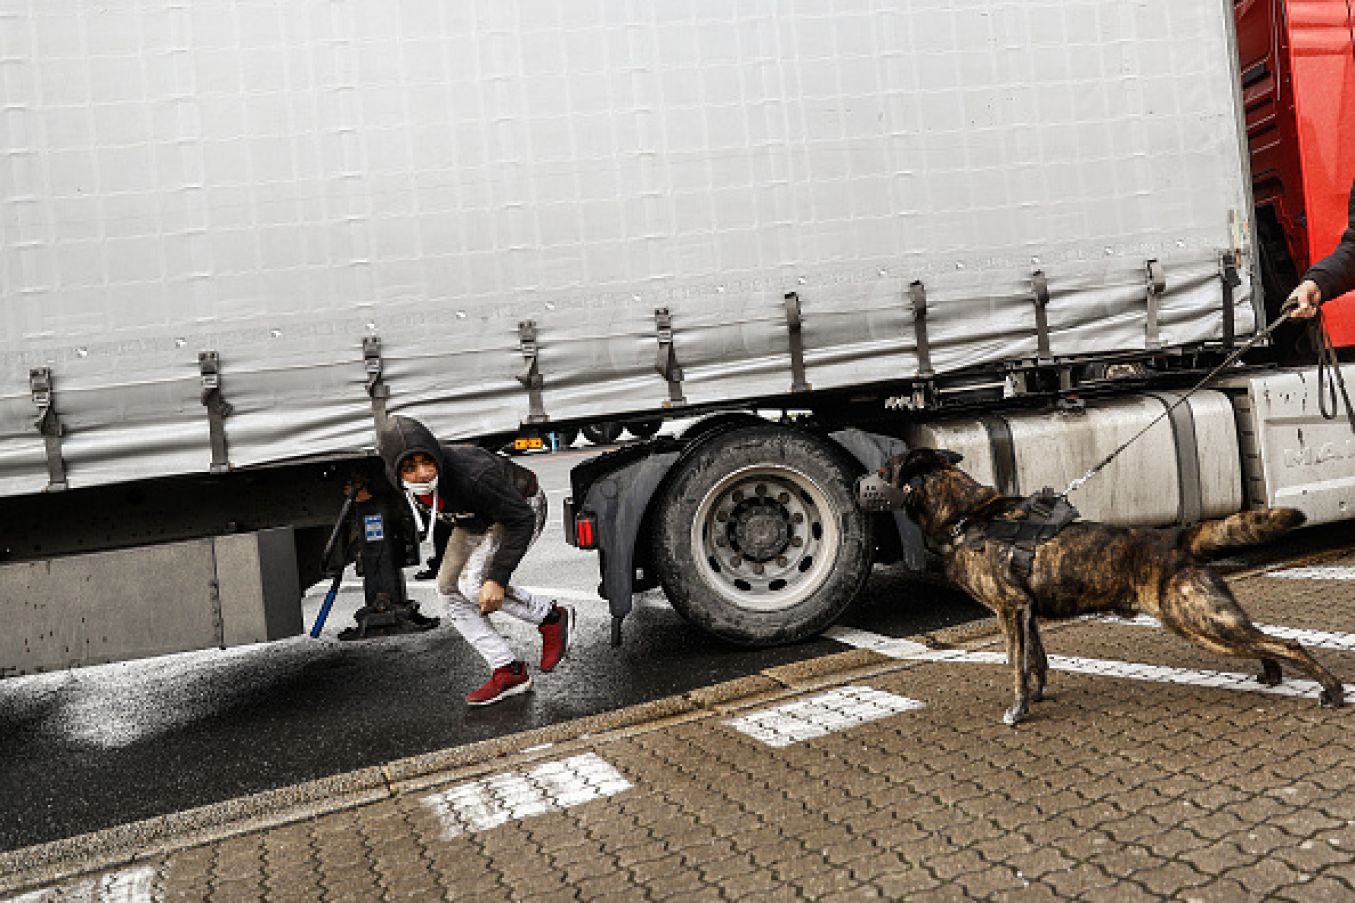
x,y
1298,87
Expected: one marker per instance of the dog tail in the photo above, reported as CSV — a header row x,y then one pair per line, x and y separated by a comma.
x,y
1247,528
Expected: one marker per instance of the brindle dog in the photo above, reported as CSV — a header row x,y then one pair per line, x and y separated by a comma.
x,y
1092,567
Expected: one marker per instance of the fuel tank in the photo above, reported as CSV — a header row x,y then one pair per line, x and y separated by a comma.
x,y
1183,468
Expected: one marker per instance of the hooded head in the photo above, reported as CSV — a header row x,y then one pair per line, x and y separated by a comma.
x,y
399,439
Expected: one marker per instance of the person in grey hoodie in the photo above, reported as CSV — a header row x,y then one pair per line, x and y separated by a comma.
x,y
496,510
1330,277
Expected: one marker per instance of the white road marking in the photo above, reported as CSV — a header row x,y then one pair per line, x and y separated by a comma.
x,y
818,716
132,886
1318,639
910,651
893,647
1314,573
129,886
493,801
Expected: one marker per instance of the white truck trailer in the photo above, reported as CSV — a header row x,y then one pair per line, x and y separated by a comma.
x,y
236,234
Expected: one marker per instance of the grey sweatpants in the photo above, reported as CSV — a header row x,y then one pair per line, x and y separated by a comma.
x,y
461,576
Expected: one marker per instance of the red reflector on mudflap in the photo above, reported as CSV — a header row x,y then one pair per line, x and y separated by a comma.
x,y
585,531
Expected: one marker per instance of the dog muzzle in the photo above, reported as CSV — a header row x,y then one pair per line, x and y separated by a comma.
x,y
875,493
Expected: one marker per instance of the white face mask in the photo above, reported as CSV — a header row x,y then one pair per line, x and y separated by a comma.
x,y
422,488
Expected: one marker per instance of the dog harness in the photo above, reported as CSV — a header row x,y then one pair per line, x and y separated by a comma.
x,y
1035,520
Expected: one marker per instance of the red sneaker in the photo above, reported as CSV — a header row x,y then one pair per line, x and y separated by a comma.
x,y
555,637
510,680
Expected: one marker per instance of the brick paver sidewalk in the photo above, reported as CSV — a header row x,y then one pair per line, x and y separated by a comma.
x,y
885,778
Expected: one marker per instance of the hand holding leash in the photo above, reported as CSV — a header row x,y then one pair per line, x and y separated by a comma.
x,y
1303,302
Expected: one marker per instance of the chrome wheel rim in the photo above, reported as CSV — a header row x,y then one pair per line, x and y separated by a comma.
x,y
765,538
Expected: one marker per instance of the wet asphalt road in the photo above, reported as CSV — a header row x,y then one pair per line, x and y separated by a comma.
x,y
91,748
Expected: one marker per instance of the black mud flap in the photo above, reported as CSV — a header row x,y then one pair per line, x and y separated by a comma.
x,y
619,500
871,450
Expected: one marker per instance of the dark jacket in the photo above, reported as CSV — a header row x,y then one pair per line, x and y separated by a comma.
x,y
481,487
1335,273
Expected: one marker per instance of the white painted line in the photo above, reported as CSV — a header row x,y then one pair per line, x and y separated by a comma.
x,y
893,647
132,886
909,651
490,802
1314,573
818,716
1318,639
129,886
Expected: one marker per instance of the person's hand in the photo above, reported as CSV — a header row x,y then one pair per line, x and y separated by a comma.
x,y
1305,300
491,597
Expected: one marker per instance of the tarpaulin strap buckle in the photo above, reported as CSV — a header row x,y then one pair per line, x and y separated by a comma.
x,y
1039,286
530,377
1156,288
48,426
218,409
1229,278
795,324
666,362
374,366
917,294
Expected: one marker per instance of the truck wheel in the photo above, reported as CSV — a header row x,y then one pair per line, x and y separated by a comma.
x,y
643,429
758,539
602,433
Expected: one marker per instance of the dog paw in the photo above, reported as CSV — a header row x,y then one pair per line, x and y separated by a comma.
x,y
1012,717
1329,700
1269,680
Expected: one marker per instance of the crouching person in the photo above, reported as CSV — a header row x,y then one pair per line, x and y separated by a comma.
x,y
496,510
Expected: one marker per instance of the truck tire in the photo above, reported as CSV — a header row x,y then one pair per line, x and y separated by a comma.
x,y
758,540
602,433
644,429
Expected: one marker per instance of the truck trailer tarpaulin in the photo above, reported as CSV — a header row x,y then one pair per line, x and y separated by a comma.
x,y
206,208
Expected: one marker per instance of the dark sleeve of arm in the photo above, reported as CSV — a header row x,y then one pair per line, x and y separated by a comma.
x,y
498,500
1335,273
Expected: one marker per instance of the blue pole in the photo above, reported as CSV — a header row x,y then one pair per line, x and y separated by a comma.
x,y
325,606
330,546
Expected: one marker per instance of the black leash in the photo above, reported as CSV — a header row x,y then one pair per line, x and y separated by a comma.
x,y
1327,369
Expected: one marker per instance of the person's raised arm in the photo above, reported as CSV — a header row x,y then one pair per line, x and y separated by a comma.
x,y
1330,277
